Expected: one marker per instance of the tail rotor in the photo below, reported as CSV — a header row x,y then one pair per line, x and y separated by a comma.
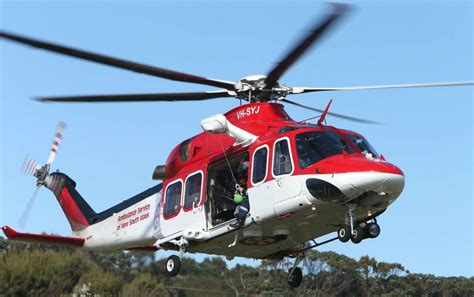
x,y
26,212
31,167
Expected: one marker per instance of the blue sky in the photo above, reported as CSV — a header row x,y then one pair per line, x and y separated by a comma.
x,y
112,149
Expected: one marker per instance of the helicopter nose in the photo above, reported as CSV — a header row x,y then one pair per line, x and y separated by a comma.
x,y
379,180
340,180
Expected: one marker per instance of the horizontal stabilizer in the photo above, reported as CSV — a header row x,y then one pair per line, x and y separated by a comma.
x,y
75,242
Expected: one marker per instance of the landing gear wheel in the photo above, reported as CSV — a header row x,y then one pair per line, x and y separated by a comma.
x,y
344,233
372,230
358,234
173,265
295,277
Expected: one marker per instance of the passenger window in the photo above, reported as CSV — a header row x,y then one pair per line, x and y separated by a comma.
x,y
192,192
259,169
281,158
173,199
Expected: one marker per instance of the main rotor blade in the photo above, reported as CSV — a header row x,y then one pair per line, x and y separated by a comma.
x,y
140,97
316,33
337,115
299,90
119,63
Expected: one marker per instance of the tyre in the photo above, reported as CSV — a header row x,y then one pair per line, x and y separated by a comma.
x,y
358,234
173,265
372,230
344,233
295,277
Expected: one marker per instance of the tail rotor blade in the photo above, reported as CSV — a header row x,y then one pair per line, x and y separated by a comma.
x,y
27,210
56,142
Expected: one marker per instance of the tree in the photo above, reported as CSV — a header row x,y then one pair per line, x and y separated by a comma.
x,y
145,285
100,282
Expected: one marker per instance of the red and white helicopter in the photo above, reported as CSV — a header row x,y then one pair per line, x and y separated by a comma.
x,y
303,180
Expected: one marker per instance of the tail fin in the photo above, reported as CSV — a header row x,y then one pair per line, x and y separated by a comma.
x,y
77,210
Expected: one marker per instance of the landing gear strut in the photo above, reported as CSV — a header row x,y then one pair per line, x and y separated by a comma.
x,y
295,275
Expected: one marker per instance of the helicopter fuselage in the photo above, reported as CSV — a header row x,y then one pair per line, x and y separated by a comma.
x,y
301,180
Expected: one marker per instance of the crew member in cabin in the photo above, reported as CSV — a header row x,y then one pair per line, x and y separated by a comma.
x,y
243,205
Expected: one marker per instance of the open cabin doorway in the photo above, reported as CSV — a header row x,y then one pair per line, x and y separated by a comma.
x,y
222,178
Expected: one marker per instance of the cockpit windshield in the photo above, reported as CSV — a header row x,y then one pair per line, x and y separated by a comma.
x,y
362,145
315,146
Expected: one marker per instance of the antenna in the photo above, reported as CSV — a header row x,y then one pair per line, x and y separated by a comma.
x,y
325,112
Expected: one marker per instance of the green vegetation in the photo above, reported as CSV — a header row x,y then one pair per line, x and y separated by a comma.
x,y
39,270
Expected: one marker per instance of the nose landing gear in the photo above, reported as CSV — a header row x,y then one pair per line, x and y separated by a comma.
x,y
359,232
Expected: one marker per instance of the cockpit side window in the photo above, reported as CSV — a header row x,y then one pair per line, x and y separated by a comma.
x,y
312,147
282,163
362,145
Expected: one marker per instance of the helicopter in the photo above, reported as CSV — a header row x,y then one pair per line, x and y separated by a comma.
x,y
303,180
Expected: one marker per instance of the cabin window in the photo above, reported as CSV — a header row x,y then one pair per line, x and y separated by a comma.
x,y
282,158
192,192
259,168
184,150
173,199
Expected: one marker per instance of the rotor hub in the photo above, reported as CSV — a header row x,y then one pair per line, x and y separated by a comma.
x,y
253,88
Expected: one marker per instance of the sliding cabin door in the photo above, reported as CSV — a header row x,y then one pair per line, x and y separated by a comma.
x,y
223,175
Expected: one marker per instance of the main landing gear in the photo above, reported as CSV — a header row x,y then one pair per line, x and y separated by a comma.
x,y
173,265
358,233
295,275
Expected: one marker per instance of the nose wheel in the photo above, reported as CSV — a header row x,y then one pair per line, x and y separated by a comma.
x,y
358,234
344,233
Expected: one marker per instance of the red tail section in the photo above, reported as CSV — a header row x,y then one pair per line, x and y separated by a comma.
x,y
76,209
78,212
